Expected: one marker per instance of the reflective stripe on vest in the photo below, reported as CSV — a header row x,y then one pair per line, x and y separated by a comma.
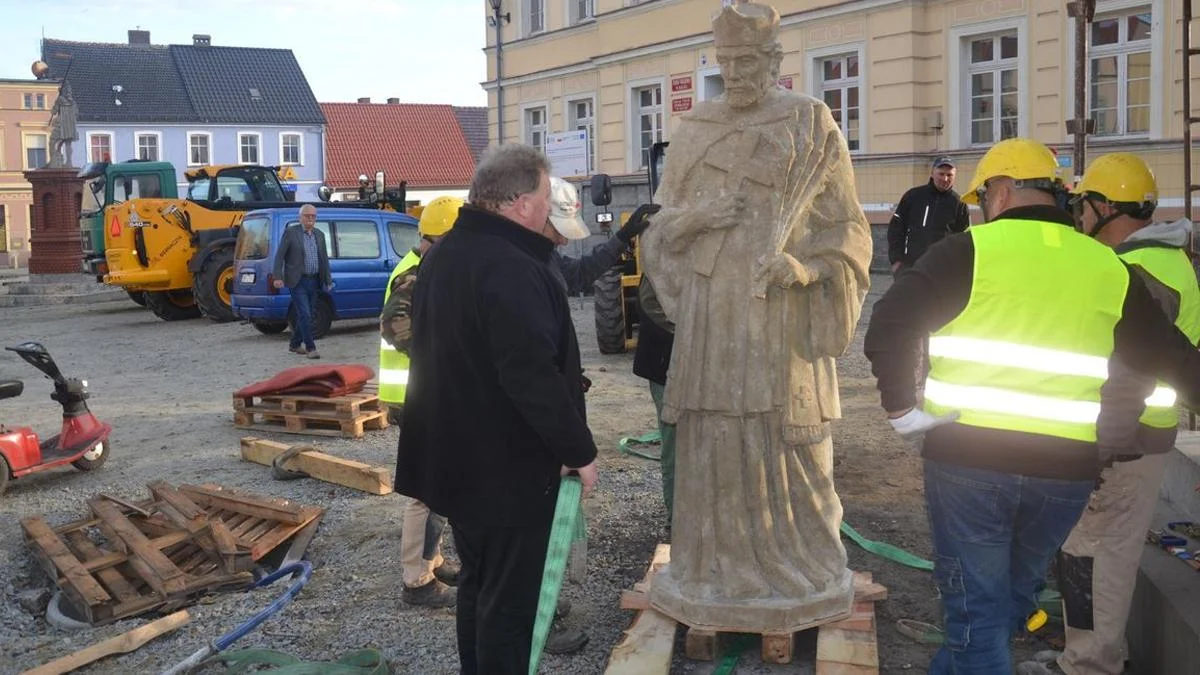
x,y
393,365
1170,267
1030,350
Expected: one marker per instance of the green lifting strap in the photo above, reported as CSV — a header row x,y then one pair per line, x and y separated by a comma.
x,y
886,550
568,528
648,438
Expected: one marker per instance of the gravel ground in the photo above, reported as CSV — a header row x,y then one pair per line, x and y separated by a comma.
x,y
165,388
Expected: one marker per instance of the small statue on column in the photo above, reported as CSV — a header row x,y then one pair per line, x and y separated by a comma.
x,y
62,128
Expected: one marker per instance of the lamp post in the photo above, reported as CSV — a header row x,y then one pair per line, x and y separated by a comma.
x,y
494,21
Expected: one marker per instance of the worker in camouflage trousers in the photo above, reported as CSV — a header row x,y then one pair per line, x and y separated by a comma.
x,y
428,577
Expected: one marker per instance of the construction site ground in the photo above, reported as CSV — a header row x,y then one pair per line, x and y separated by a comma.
x,y
166,389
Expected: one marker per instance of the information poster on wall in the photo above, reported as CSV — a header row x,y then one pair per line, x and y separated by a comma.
x,y
568,153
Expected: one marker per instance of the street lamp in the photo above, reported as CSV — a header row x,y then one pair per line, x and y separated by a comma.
x,y
495,21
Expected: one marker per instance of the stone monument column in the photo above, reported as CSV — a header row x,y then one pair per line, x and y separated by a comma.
x,y
55,244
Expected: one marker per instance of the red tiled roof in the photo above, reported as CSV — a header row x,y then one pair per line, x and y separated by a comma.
x,y
419,143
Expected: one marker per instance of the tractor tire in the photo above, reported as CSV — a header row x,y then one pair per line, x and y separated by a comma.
x,y
94,458
212,286
138,297
270,327
4,474
610,312
322,319
172,305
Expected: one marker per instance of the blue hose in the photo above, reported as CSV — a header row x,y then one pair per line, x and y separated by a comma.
x,y
222,643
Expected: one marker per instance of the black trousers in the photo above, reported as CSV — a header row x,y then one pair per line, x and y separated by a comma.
x,y
498,595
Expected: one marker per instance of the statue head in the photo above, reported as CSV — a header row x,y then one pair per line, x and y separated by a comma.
x,y
746,36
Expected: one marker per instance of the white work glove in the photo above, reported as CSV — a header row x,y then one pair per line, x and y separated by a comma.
x,y
916,422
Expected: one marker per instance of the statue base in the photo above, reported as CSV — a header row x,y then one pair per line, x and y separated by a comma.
x,y
55,238
755,615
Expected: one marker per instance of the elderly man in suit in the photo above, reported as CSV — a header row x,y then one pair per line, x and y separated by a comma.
x,y
302,263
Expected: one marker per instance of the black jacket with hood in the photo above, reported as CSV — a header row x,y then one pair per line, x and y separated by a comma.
x,y
924,216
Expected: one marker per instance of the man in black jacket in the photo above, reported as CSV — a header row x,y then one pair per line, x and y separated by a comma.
x,y
925,215
494,412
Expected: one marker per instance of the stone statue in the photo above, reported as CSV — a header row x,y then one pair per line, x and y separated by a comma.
x,y
62,128
760,256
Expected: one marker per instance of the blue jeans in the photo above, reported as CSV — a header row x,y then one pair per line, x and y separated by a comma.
x,y
994,535
304,299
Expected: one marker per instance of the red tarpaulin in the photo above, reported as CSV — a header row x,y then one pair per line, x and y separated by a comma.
x,y
329,381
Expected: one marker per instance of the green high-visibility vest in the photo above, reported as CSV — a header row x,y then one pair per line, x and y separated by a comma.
x,y
393,365
1171,267
1030,350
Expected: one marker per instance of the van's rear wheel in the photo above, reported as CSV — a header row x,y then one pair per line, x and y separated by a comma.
x,y
270,327
172,305
213,286
322,316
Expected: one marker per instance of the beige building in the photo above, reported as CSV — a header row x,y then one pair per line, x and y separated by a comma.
x,y
907,79
24,144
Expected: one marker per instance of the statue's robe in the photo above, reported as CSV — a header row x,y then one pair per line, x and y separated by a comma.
x,y
752,383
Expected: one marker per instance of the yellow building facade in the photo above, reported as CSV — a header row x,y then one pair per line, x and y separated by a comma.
x,y
907,79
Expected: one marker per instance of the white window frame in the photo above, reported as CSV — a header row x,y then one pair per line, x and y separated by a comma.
x,y
25,148
297,134
258,145
545,127
527,29
959,55
1157,56
698,84
997,65
814,77
633,119
137,143
112,145
188,147
569,102
27,101
570,10
1121,50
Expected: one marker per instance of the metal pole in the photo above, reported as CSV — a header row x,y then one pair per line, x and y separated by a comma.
x,y
1082,11
1187,115
499,83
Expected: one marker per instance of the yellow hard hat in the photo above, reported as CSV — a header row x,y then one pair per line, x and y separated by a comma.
x,y
1017,158
438,216
1121,179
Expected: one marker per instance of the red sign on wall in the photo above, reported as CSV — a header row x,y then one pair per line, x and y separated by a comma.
x,y
681,83
785,82
681,104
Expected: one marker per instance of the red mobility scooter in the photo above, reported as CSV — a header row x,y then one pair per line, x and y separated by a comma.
x,y
83,441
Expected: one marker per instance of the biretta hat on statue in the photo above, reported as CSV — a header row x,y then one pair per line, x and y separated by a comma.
x,y
746,24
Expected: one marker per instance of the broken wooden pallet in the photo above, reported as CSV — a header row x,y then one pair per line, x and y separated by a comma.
x,y
161,553
348,416
376,480
843,647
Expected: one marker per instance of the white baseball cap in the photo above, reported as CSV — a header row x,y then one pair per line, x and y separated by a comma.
x,y
564,210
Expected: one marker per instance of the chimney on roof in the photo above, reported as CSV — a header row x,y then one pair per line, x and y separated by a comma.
x,y
364,99
199,40
393,101
139,37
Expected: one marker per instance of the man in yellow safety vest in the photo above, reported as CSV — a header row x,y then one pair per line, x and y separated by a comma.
x,y
1025,315
1114,203
427,576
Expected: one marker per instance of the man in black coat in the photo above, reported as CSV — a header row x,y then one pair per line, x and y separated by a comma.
x,y
925,215
494,412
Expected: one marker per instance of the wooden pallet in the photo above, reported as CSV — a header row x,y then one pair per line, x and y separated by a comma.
x,y
845,647
161,553
348,416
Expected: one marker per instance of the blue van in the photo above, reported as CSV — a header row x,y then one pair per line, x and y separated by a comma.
x,y
364,246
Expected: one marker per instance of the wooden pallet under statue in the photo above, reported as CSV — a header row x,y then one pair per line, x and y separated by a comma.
x,y
162,553
348,416
845,647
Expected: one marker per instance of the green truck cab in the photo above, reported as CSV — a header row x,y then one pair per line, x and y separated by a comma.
x,y
106,184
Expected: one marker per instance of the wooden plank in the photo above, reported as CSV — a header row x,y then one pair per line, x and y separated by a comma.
x,y
866,590
188,508
112,580
778,647
649,644
634,600
58,561
269,541
259,507
321,466
701,645
125,642
154,566
849,646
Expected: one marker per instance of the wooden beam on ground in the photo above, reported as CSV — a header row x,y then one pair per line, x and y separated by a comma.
x,y
649,643
125,642
849,647
371,479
